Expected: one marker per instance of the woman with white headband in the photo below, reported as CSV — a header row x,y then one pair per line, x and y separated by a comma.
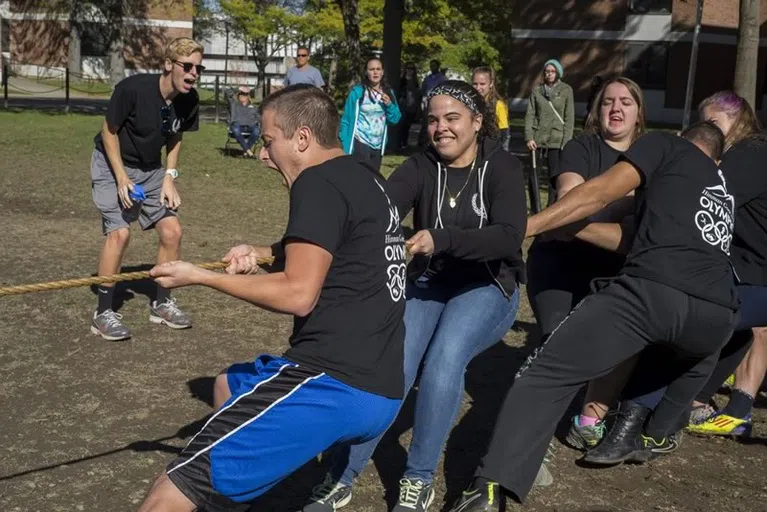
x,y
469,214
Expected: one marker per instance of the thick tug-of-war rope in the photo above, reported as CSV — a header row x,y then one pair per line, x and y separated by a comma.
x,y
87,281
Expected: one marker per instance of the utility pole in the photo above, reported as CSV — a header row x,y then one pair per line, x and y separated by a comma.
x,y
693,66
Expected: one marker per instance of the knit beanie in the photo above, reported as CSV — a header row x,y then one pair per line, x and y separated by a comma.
x,y
557,65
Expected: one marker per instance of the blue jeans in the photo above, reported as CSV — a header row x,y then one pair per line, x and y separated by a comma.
x,y
445,328
255,133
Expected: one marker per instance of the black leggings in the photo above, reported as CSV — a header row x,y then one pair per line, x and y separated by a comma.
x,y
367,155
552,164
607,328
559,275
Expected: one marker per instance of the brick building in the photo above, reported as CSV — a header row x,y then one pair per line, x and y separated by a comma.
x,y
647,40
35,37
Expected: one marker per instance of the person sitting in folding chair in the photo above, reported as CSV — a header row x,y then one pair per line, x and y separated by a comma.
x,y
244,121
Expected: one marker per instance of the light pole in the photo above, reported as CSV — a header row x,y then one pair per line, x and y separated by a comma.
x,y
693,65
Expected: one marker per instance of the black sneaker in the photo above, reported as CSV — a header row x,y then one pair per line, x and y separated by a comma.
x,y
654,448
329,496
487,498
414,494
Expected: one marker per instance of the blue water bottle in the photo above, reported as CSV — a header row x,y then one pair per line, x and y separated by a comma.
x,y
138,196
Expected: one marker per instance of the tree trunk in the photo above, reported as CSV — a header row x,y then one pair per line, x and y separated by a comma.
x,y
332,74
116,61
352,30
392,40
392,54
74,59
748,49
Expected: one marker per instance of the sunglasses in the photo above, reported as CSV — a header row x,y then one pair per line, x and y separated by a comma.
x,y
189,65
302,55
165,113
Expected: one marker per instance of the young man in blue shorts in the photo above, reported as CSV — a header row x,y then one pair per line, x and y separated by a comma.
x,y
342,277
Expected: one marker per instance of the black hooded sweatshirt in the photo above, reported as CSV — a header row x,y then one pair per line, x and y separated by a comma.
x,y
481,239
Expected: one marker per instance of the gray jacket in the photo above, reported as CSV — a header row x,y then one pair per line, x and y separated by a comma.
x,y
244,115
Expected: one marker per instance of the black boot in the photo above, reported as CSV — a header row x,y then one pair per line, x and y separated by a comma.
x,y
623,439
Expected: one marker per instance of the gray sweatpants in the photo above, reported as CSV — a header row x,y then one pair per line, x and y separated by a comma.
x,y
104,189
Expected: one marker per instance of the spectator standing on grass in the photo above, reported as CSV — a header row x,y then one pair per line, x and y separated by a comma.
x,y
303,72
483,80
434,78
370,107
243,119
410,102
550,116
146,113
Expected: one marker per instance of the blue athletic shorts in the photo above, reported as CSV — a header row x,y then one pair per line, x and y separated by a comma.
x,y
280,416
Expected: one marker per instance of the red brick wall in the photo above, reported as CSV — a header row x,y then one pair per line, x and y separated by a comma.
x,y
43,43
177,10
147,49
569,14
580,59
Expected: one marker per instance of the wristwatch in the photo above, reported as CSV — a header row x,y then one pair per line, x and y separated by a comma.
x,y
172,172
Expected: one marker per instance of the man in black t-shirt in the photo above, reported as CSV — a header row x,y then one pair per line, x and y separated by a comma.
x,y
340,271
146,113
675,290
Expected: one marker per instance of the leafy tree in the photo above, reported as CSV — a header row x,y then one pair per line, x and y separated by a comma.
x,y
266,26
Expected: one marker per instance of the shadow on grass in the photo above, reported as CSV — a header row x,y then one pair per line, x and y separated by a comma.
x,y
200,388
127,290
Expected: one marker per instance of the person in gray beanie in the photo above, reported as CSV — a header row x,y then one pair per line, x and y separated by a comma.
x,y
550,116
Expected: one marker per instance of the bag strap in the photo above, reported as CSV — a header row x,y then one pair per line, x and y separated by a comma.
x,y
556,113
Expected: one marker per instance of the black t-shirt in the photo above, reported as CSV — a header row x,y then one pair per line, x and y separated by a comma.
x,y
743,167
145,125
587,155
356,331
685,219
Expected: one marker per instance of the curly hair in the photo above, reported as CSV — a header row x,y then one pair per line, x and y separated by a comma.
x,y
468,95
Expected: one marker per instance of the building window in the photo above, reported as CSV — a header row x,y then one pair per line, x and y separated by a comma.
x,y
650,6
5,35
94,40
646,64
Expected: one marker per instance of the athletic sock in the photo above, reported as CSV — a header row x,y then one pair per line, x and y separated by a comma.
x,y
106,293
163,294
587,421
740,404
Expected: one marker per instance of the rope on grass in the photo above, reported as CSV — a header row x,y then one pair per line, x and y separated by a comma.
x,y
87,281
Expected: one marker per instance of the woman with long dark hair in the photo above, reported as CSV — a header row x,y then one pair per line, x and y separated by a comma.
x,y
370,107
469,212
